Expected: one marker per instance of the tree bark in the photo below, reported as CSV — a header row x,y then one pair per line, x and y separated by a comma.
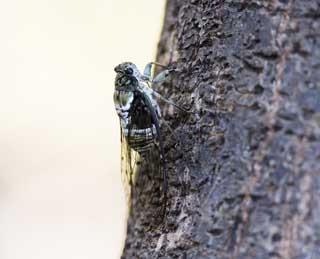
x,y
244,175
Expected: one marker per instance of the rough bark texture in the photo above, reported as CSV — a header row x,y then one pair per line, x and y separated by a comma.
x,y
244,177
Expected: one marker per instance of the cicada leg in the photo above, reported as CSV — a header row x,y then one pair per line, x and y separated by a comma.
x,y
148,68
158,79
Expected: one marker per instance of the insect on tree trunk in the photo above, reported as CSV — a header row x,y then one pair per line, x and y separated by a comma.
x,y
244,174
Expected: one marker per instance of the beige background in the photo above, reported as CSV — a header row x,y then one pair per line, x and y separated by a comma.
x,y
60,188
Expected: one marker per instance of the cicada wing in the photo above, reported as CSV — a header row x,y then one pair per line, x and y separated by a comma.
x,y
150,166
160,148
129,159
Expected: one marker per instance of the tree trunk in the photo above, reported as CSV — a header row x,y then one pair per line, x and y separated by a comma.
x,y
243,175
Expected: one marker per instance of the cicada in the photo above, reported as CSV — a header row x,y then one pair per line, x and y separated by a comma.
x,y
139,113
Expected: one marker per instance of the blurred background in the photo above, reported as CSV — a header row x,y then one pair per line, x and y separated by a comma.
x,y
61,194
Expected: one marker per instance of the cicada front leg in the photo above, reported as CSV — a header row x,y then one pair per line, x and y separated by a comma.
x,y
147,70
158,79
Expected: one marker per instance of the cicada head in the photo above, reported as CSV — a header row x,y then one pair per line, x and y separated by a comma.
x,y
127,68
128,72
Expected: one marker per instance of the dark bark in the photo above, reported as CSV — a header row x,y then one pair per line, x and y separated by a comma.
x,y
244,177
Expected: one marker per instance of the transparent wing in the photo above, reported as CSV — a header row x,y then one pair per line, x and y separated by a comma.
x,y
129,160
148,180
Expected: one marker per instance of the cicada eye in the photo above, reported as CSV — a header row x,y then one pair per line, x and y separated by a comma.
x,y
129,71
